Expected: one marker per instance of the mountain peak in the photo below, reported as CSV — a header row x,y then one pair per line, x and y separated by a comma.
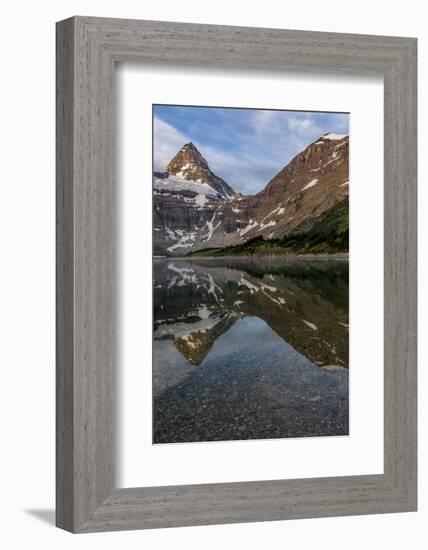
x,y
333,137
186,162
191,146
189,164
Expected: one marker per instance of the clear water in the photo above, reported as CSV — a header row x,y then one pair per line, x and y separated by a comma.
x,y
249,349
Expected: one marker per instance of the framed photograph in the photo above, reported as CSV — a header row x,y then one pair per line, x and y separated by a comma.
x,y
236,274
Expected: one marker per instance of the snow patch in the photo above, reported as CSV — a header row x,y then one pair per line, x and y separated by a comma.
x,y
271,297
178,245
310,325
211,227
183,330
271,288
271,213
248,228
244,282
185,240
334,137
269,224
183,271
184,275
329,162
204,312
170,234
310,184
201,200
212,288
177,183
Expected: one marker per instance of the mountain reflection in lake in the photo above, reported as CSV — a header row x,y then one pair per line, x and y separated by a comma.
x,y
249,349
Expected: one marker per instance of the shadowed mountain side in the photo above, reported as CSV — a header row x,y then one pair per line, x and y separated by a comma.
x,y
325,234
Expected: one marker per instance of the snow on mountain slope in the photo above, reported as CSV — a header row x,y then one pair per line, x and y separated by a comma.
x,y
176,183
190,165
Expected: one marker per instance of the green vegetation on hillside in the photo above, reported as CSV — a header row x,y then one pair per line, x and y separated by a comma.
x,y
328,235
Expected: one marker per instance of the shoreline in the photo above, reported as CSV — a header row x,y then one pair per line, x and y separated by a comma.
x,y
336,256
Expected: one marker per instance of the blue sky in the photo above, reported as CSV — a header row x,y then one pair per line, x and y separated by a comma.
x,y
246,147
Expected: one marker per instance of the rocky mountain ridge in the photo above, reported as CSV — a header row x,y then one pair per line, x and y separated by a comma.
x,y
196,210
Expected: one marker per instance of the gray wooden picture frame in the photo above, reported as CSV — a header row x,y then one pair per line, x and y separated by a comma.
x,y
87,50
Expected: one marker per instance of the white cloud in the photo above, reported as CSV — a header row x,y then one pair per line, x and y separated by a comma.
x,y
167,141
263,120
247,172
303,126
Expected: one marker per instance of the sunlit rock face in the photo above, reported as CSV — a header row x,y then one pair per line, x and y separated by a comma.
x,y
194,209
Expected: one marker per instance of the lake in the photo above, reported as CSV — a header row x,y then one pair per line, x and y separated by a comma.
x,y
249,349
